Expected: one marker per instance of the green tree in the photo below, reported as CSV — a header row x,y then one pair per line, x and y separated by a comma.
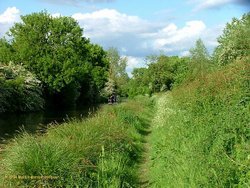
x,y
52,48
182,71
109,88
99,65
140,83
55,50
6,51
94,81
117,71
234,42
199,59
199,53
160,75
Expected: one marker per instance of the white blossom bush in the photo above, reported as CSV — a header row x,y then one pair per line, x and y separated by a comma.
x,y
20,90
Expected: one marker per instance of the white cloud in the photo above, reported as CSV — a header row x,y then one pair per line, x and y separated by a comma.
x,y
211,4
138,37
171,35
173,40
210,35
8,18
109,22
134,62
10,15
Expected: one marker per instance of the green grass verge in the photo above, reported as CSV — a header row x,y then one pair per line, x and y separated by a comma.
x,y
100,151
201,132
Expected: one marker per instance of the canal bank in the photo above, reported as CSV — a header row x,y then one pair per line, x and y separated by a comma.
x,y
12,123
99,151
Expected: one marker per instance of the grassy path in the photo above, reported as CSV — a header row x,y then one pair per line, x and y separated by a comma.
x,y
162,111
145,156
200,133
144,166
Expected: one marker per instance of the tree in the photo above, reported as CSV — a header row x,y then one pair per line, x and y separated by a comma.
x,y
117,71
6,51
99,65
199,53
234,42
109,88
52,48
55,50
95,81
140,83
182,71
199,59
160,75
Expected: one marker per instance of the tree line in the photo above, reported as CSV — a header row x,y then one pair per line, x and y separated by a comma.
x,y
163,72
54,51
47,60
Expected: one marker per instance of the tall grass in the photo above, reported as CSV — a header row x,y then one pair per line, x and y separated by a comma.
x,y
201,138
100,151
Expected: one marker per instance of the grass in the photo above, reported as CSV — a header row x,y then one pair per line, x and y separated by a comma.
x,y
100,151
200,137
201,132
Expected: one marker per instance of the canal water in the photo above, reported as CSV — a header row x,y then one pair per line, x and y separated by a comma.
x,y
12,123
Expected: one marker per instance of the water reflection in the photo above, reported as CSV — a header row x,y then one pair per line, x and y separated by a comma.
x,y
10,124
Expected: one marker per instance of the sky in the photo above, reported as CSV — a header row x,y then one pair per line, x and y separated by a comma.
x,y
137,28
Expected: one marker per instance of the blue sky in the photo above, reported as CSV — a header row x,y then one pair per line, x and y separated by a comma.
x,y
137,28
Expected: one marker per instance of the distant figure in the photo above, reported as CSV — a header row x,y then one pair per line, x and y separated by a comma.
x,y
112,99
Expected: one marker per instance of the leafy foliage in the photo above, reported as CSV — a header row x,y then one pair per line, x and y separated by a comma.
x,y
139,84
6,51
234,43
54,49
20,90
117,72
199,61
109,88
199,53
160,75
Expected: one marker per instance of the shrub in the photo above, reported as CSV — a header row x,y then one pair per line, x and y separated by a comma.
x,y
19,89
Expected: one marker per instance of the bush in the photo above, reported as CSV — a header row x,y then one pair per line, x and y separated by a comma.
x,y
19,89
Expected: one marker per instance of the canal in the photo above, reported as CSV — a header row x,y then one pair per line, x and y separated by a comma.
x,y
12,123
